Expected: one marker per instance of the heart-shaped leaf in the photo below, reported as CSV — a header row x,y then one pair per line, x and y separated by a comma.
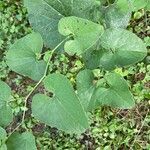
x,y
6,115
117,50
63,110
24,141
3,136
22,56
112,90
44,16
85,34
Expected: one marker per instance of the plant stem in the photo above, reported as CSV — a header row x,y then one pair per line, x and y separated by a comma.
x,y
36,86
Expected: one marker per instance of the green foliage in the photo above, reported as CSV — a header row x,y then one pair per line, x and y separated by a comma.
x,y
138,4
46,19
24,141
91,30
5,109
16,141
85,34
116,50
112,90
3,136
116,15
22,56
63,110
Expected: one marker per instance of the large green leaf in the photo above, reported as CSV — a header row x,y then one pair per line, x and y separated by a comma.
x,y
6,115
117,15
44,16
119,48
24,141
112,90
85,34
22,56
3,136
63,110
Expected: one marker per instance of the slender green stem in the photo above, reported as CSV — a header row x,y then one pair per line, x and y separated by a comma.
x,y
36,86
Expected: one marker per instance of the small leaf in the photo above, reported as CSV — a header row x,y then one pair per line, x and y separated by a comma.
x,y
22,56
117,50
24,141
6,115
44,16
112,91
85,34
63,110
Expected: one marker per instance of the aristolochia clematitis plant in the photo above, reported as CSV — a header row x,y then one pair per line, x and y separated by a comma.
x,y
89,29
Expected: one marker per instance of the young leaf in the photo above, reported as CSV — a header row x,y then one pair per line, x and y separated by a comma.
x,y
85,34
22,56
116,16
24,141
63,110
112,91
6,115
44,16
3,136
119,48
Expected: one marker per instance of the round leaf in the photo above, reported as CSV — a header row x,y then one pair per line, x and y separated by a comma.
x,y
22,56
63,110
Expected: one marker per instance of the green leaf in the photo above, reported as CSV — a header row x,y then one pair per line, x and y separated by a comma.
x,y
63,110
85,34
3,136
116,16
85,87
123,5
117,50
112,91
148,5
44,16
138,4
24,141
6,115
22,56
